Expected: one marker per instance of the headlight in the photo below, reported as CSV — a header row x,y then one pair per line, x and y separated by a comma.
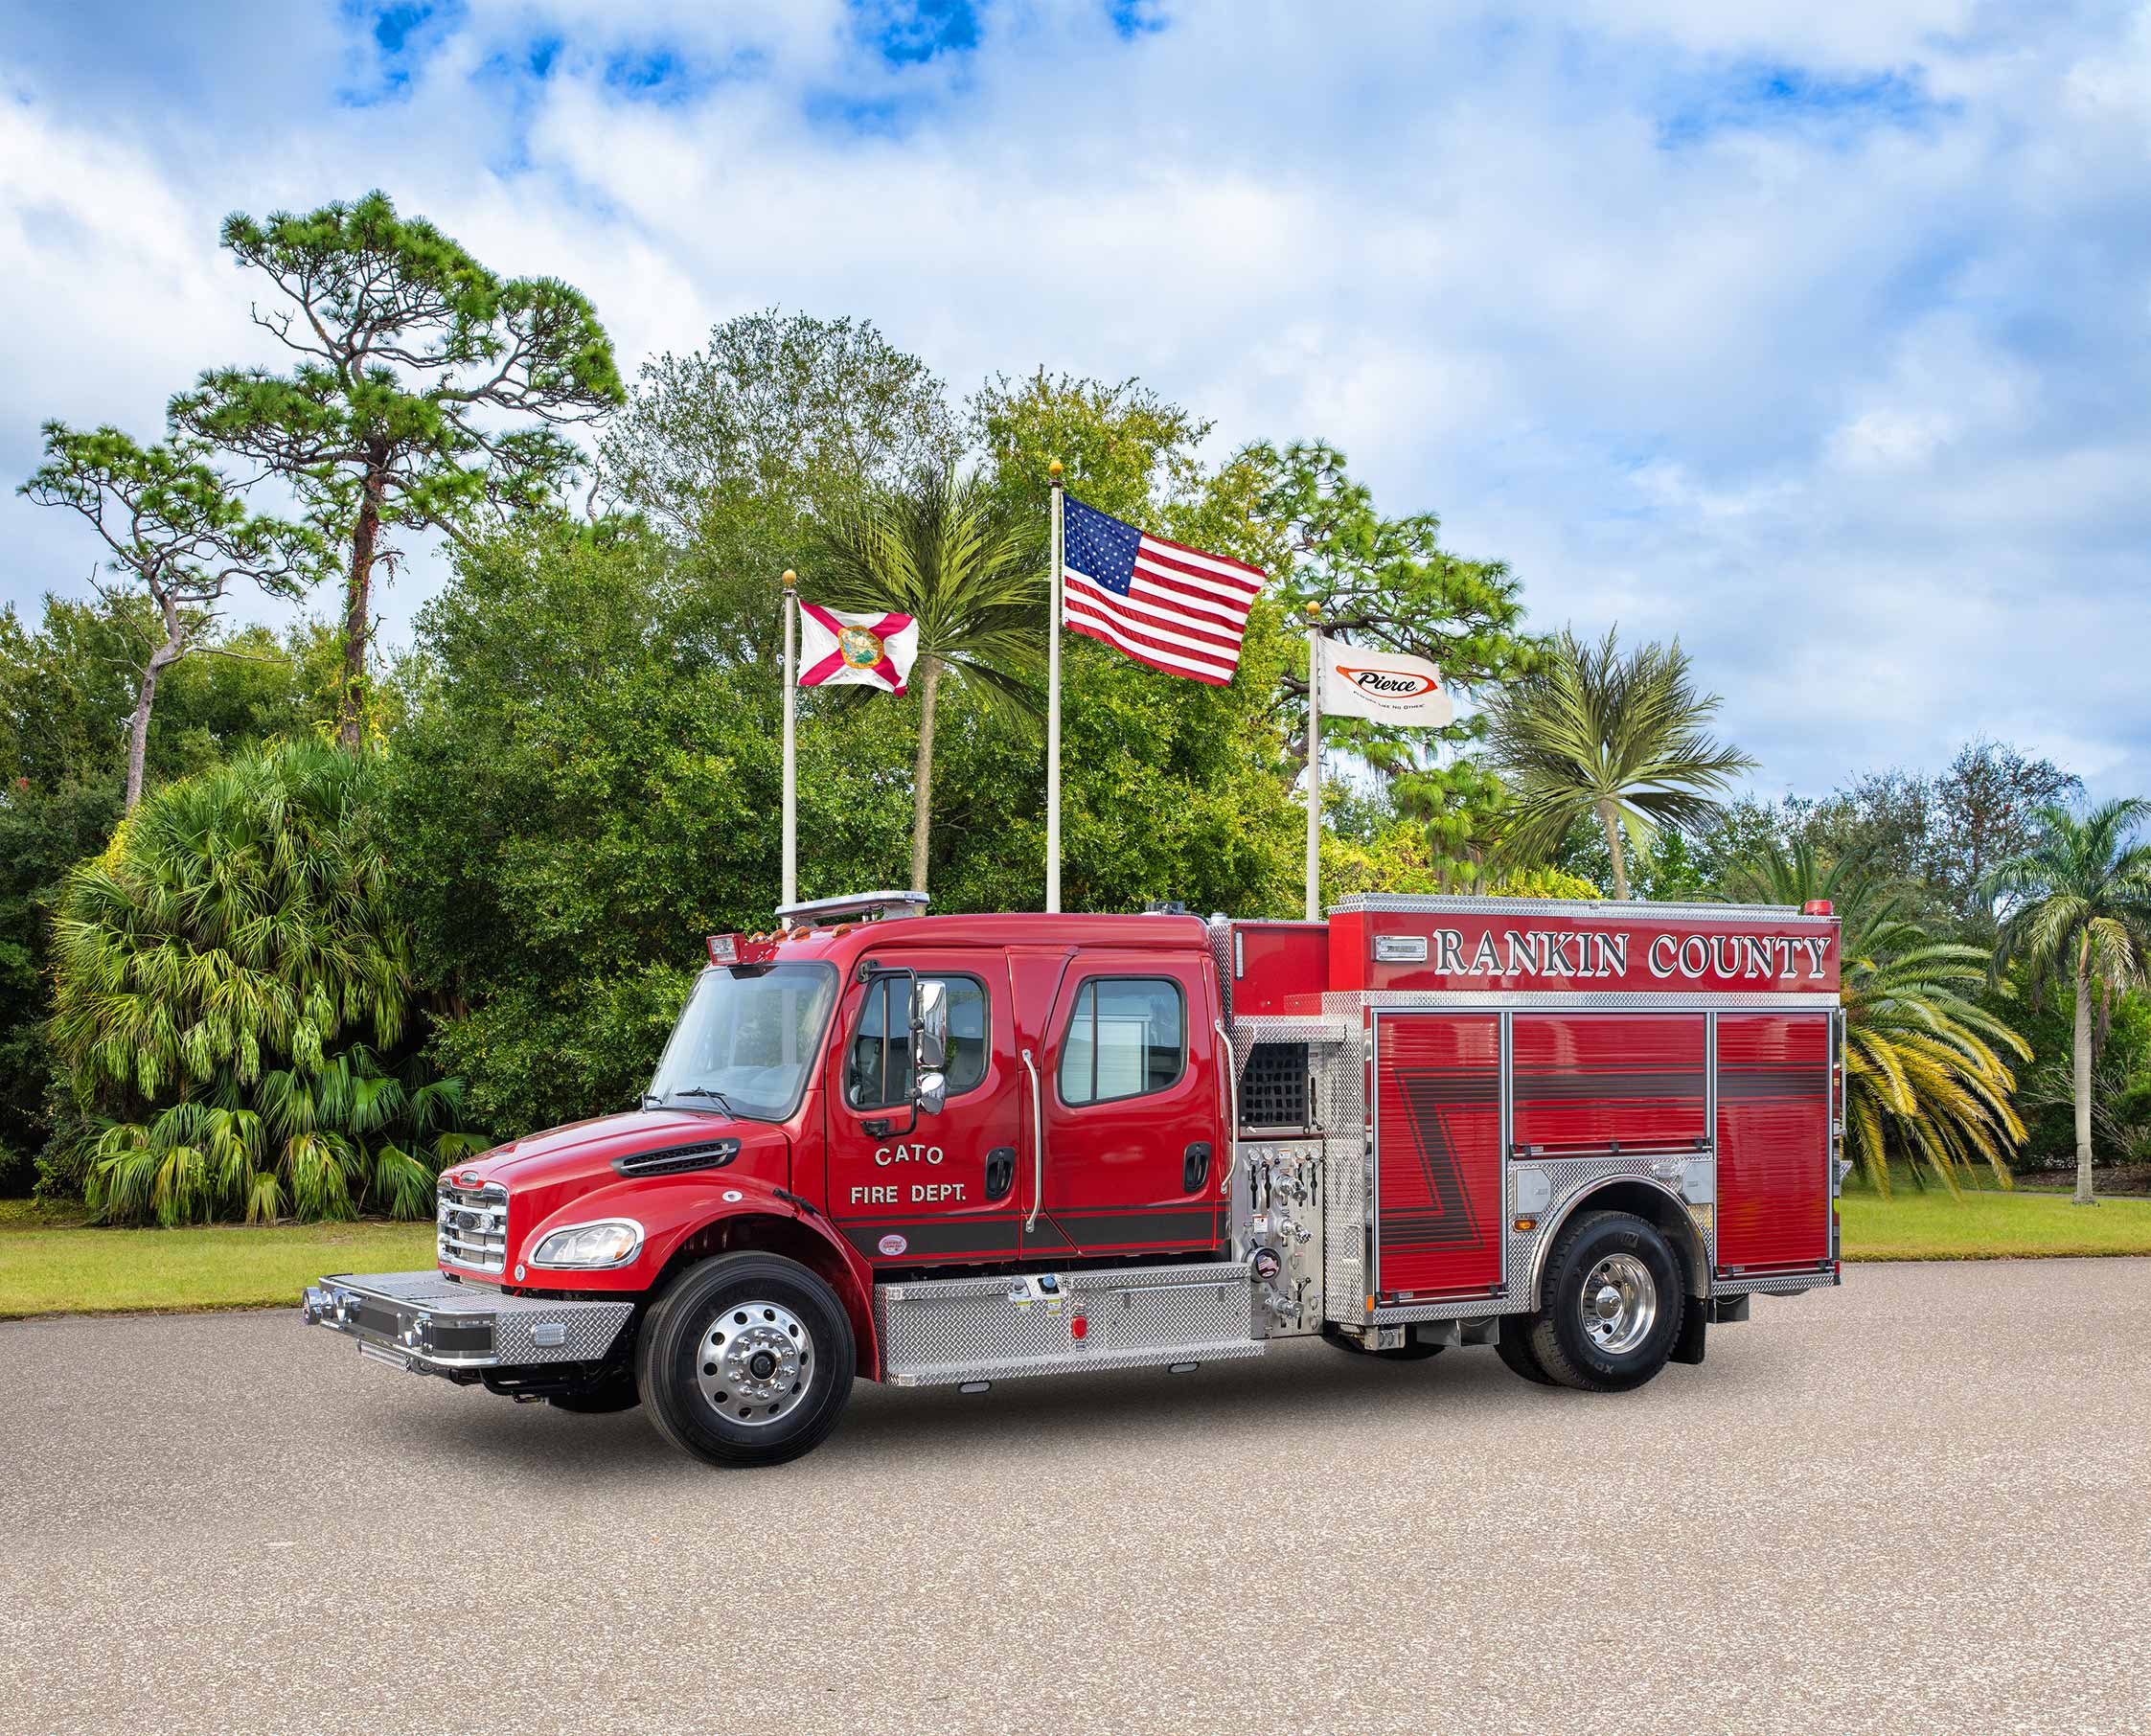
x,y
614,1242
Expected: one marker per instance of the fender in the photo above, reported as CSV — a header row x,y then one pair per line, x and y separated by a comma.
x,y
675,1209
1550,1231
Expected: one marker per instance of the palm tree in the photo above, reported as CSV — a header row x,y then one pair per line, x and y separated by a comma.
x,y
943,551
1922,1072
216,971
2079,909
1622,737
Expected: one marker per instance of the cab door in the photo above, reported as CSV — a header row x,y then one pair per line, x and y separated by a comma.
x,y
944,1190
1134,1145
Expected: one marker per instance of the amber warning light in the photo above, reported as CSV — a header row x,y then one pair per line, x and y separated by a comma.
x,y
724,949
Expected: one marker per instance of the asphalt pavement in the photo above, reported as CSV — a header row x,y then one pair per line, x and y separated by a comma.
x,y
1918,1503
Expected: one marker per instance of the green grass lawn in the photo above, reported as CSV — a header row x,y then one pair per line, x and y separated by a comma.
x,y
1988,1225
50,1265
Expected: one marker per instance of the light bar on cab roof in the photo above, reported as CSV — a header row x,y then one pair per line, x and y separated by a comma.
x,y
724,949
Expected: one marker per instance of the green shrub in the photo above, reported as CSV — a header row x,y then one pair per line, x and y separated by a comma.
x,y
233,1002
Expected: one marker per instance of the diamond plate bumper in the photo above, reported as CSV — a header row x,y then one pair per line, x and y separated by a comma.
x,y
425,1323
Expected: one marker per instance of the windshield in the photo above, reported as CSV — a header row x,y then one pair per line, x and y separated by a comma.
x,y
746,1040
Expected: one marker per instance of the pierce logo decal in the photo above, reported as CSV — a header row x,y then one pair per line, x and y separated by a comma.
x,y
1389,684
892,1245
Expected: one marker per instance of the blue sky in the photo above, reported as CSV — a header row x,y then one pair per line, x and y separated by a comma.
x,y
1818,335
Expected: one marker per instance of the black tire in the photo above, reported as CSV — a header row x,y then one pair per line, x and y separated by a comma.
x,y
710,1314
1562,1341
1514,1348
614,1394
1410,1351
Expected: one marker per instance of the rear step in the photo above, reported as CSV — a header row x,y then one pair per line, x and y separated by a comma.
x,y
963,1330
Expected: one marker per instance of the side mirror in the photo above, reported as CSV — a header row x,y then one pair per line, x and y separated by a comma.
x,y
929,1029
932,1090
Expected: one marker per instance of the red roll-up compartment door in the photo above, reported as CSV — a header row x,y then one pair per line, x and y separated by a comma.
x,y
1773,1140
1588,1081
1437,1146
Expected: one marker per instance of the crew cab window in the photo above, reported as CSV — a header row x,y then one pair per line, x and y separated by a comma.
x,y
877,1064
1127,1037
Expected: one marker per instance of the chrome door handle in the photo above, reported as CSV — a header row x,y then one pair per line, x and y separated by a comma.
x,y
1038,1146
1231,1082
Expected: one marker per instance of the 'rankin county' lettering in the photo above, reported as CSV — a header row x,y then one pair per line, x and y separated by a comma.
x,y
1566,953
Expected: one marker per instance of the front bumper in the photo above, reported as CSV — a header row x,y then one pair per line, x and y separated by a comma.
x,y
428,1324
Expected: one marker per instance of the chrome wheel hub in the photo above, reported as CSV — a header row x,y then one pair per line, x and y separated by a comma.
x,y
1620,1303
755,1363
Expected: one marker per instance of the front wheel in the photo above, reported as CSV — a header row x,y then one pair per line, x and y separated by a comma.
x,y
1613,1303
746,1361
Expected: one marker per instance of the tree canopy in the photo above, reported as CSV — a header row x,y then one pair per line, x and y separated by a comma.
x,y
426,388
174,526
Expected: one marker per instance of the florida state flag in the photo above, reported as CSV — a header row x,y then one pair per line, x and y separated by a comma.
x,y
838,648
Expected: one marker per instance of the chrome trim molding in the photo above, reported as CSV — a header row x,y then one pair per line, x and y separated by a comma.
x,y
1405,903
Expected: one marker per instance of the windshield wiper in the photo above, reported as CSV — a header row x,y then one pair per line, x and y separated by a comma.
x,y
722,1101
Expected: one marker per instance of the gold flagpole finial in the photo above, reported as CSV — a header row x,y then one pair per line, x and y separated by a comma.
x,y
791,578
1313,611
1053,468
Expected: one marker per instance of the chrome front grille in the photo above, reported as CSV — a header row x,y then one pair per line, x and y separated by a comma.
x,y
472,1225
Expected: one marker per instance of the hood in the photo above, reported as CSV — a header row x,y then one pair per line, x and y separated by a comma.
x,y
546,1173
585,1151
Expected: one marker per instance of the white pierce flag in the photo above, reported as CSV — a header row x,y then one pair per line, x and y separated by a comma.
x,y
1382,685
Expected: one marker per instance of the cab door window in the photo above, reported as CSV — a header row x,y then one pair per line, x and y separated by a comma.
x,y
1127,1037
878,1062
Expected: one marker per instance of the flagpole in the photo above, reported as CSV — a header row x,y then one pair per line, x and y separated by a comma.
x,y
790,761
1053,709
1313,761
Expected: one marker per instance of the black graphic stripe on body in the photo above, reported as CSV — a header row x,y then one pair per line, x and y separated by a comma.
x,y
1804,1079
1566,1087
1427,1092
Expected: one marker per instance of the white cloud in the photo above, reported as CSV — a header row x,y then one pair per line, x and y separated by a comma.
x,y
1814,334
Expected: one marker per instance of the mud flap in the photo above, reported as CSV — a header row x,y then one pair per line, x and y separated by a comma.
x,y
1688,1346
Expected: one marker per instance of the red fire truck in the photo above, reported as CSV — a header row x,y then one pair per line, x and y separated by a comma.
x,y
957,1150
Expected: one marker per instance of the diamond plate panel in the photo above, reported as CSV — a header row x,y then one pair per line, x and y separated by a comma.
x,y
588,1328
1776,1284
591,1328
978,1330
1341,1081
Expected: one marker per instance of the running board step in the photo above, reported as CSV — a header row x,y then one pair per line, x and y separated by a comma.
x,y
947,1332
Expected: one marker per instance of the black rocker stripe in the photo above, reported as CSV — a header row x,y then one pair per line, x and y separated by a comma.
x,y
1184,1225
952,1238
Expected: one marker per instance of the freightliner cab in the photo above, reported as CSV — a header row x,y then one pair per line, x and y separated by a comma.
x,y
957,1150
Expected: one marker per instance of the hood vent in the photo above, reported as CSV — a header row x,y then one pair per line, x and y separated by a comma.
x,y
679,1159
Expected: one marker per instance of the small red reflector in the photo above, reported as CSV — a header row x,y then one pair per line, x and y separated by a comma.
x,y
1078,1327
1815,907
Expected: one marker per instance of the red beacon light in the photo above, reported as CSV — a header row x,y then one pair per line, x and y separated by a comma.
x,y
724,949
1815,907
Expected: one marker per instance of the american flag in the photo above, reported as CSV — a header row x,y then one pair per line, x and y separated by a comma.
x,y
1164,603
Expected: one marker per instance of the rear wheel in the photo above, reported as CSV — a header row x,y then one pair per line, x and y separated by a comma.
x,y
1514,1348
746,1361
1612,1302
